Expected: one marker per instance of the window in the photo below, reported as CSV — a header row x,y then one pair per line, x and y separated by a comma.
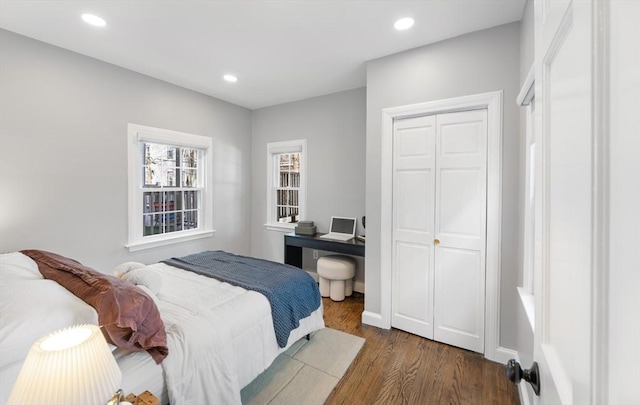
x,y
169,198
286,182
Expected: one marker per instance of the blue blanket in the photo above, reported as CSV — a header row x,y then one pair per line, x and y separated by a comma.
x,y
292,293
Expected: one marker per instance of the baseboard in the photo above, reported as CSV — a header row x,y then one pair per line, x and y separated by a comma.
x,y
373,319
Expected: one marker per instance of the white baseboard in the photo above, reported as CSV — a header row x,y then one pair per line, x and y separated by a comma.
x,y
373,319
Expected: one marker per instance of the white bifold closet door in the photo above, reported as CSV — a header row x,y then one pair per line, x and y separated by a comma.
x,y
439,227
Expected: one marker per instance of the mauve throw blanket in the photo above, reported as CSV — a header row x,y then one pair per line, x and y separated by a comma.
x,y
129,317
292,293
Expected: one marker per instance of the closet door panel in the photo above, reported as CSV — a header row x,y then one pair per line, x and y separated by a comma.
x,y
413,310
458,290
461,203
460,228
413,224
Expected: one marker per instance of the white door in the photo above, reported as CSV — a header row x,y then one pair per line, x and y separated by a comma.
x,y
564,201
439,227
460,228
413,225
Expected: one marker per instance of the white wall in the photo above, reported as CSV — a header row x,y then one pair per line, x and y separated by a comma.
x,y
63,154
480,62
334,127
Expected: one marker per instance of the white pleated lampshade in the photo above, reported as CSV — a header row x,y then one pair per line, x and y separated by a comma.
x,y
71,366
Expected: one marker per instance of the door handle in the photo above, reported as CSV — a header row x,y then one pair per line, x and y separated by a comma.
x,y
532,375
436,241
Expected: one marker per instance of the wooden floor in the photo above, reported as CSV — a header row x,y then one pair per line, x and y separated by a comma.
x,y
396,367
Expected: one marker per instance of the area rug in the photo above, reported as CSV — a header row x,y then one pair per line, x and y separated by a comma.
x,y
307,372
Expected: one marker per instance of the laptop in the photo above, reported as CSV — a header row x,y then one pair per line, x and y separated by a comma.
x,y
341,229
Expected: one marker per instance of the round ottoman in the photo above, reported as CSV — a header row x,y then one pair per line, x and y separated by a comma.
x,y
336,276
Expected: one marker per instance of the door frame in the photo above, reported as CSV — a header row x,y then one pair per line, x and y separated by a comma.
x,y
492,101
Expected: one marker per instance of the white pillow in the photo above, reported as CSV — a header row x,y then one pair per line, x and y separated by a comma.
x,y
145,277
122,269
33,307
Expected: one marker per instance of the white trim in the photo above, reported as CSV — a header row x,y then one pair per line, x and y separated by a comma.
x,y
373,319
140,133
282,227
492,101
529,305
168,240
560,377
527,91
274,148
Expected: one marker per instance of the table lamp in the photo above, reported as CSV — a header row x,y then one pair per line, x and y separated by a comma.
x,y
71,366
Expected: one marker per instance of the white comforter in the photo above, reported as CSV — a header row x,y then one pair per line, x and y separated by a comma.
x,y
212,355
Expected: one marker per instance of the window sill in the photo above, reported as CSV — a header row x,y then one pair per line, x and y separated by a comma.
x,y
528,303
285,227
168,240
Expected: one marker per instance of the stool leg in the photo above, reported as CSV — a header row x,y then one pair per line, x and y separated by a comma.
x,y
348,287
337,290
324,286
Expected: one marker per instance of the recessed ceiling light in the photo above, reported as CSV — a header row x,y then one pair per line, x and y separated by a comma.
x,y
94,20
403,23
230,78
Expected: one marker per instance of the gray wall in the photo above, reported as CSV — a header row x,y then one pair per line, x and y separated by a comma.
x,y
63,154
334,127
480,62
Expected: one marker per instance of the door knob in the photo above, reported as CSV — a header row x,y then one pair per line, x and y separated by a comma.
x,y
532,375
436,241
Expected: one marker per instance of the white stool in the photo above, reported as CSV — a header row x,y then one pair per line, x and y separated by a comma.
x,y
336,276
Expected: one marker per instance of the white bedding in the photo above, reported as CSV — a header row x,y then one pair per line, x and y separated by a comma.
x,y
220,338
207,345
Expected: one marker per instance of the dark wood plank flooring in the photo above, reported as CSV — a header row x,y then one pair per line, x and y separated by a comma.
x,y
396,367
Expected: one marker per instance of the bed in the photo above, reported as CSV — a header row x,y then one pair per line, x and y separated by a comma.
x,y
219,336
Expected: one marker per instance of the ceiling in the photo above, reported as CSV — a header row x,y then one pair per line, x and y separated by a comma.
x,y
281,51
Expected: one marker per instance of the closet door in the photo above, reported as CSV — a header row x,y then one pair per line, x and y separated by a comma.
x,y
460,229
413,216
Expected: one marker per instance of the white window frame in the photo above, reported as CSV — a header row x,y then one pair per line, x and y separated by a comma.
x,y
273,150
526,99
137,135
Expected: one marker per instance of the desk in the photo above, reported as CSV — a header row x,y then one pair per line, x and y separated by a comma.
x,y
293,245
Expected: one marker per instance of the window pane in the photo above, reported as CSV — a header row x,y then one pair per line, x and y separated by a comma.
x,y
189,157
169,211
190,200
159,165
190,220
286,189
189,178
153,224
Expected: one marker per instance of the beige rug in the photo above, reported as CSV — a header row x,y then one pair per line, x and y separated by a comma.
x,y
307,372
